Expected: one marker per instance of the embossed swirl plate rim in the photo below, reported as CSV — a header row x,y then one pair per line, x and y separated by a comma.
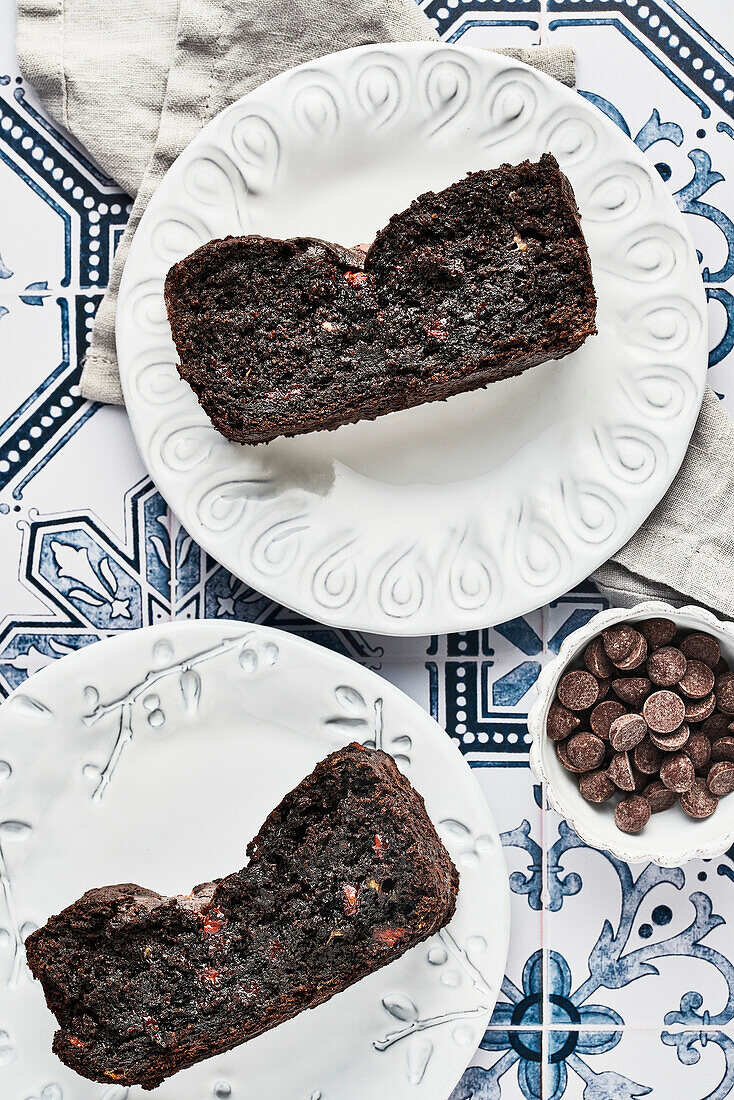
x,y
669,839
153,757
460,514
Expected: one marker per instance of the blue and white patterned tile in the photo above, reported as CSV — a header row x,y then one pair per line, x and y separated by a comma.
x,y
487,23
632,1063
484,684
706,22
507,1066
80,580
667,37
516,802
636,945
600,1064
49,281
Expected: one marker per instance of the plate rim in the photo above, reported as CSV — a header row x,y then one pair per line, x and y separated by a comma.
x,y
449,617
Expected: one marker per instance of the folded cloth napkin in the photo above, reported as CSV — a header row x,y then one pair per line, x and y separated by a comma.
x,y
684,552
135,82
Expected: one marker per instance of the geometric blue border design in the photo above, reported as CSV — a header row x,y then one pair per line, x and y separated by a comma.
x,y
677,53
93,212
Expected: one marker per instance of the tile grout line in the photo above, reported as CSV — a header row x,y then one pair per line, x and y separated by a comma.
x,y
545,1003
543,32
611,1027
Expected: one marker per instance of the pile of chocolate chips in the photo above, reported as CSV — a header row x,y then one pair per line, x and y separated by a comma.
x,y
649,717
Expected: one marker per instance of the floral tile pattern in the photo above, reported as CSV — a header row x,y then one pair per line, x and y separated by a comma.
x,y
685,1064
641,941
620,980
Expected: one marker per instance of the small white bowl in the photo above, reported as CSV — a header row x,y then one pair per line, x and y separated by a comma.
x,y
669,838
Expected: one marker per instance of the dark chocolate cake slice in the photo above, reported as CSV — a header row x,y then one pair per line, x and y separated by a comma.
x,y
346,874
465,287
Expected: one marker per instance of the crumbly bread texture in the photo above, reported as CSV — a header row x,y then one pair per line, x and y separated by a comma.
x,y
346,874
465,287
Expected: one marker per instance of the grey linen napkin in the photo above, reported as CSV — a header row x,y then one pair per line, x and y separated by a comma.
x,y
134,83
684,552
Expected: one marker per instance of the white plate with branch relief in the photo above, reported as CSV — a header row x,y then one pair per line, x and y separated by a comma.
x,y
457,514
154,758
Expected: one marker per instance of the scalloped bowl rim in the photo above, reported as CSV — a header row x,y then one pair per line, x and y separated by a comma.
x,y
595,824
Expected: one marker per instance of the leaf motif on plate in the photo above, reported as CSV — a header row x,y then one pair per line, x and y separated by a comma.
x,y
400,1006
247,658
455,828
7,1050
116,1092
418,1056
27,707
350,699
190,685
346,725
15,831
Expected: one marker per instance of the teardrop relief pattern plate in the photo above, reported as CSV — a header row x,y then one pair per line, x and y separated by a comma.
x,y
458,514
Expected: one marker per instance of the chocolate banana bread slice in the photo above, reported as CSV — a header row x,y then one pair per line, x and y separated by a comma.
x,y
465,287
346,874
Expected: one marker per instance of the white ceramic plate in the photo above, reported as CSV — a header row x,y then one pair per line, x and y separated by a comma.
x,y
455,515
671,838
154,758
